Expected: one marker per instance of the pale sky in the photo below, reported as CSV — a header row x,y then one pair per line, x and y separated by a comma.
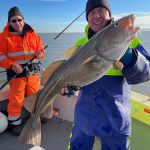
x,y
55,15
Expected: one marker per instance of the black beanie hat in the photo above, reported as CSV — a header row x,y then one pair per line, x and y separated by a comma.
x,y
13,12
91,4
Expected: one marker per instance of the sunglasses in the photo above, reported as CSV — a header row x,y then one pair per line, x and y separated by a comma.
x,y
16,20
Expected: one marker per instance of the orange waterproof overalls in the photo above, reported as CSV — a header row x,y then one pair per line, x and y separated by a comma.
x,y
19,49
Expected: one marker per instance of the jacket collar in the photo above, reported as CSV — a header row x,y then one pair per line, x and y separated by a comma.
x,y
27,28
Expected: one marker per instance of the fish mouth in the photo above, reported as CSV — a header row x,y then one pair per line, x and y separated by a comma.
x,y
128,24
133,30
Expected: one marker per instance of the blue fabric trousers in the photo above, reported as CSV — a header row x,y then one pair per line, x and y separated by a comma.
x,y
81,141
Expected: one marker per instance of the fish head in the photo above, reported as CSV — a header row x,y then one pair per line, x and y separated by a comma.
x,y
125,25
116,37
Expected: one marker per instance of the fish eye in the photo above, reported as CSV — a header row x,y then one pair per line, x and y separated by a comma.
x,y
116,24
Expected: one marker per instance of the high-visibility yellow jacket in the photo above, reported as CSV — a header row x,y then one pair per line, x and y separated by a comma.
x,y
103,107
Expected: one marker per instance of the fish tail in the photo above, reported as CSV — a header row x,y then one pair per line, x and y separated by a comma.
x,y
31,133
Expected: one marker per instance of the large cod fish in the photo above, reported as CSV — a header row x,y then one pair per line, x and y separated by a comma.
x,y
86,65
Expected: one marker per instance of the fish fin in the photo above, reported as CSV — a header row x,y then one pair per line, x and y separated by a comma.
x,y
91,59
31,133
48,111
30,102
69,52
50,70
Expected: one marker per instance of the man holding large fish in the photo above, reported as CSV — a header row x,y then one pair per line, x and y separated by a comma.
x,y
103,106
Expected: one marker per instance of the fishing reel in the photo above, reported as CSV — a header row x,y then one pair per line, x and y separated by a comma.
x,y
34,67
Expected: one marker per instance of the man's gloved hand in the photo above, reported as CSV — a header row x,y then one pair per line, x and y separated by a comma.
x,y
129,57
68,91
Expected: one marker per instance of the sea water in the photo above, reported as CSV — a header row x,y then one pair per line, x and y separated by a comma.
x,y
56,49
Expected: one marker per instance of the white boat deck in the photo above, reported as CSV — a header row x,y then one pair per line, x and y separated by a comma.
x,y
55,133
55,136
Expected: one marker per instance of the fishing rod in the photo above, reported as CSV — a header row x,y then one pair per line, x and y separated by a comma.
x,y
66,28
30,61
